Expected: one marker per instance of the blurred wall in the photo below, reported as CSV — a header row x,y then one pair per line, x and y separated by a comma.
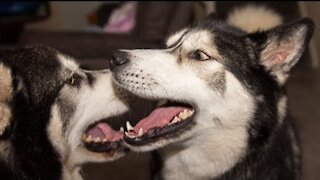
x,y
67,15
311,9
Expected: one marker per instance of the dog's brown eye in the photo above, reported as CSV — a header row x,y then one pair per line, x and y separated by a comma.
x,y
199,55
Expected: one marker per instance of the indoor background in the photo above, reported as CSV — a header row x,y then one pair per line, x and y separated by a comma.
x,y
90,31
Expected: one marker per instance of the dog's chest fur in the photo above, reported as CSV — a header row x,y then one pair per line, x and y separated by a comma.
x,y
215,160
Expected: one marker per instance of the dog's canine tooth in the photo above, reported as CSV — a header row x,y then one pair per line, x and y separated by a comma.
x,y
104,140
140,132
129,127
122,129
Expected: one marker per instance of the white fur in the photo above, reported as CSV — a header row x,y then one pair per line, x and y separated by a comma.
x,y
212,147
92,103
55,132
282,109
254,18
175,37
5,83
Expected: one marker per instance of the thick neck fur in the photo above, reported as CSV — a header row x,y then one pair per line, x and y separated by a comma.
x,y
31,155
221,153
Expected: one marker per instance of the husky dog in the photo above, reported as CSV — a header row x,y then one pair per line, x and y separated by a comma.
x,y
50,112
224,115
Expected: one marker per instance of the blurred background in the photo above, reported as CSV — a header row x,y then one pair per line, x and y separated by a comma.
x,y
90,31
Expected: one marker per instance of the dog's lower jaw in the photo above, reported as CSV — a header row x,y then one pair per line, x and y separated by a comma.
x,y
205,159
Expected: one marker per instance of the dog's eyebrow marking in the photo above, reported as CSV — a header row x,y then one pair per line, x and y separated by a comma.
x,y
91,78
218,82
178,42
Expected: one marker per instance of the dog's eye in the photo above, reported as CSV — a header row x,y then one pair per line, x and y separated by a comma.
x,y
70,81
198,55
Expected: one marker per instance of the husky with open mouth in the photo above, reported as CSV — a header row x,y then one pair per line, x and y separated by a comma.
x,y
224,115
50,112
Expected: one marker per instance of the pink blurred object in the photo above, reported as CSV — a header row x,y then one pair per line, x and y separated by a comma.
x,y
123,19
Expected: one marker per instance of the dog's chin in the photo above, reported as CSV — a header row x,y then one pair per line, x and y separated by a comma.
x,y
166,124
82,155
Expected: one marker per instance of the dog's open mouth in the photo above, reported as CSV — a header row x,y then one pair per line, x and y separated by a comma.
x,y
100,137
166,121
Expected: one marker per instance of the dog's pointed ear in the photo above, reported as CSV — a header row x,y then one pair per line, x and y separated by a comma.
x,y
5,97
282,47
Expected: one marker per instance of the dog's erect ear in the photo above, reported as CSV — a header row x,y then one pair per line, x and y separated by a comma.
x,y
5,97
282,47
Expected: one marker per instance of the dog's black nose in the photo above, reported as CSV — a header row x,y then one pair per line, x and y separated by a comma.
x,y
118,58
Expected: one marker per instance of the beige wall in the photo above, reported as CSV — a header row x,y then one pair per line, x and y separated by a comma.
x,y
312,9
68,15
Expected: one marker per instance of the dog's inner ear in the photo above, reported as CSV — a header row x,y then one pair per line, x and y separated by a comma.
x,y
5,97
283,47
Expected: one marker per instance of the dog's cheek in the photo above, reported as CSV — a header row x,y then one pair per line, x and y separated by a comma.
x,y
218,82
55,133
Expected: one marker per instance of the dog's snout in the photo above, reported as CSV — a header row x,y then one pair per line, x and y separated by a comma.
x,y
118,58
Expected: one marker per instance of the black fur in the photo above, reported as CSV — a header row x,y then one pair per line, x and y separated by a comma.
x,y
32,156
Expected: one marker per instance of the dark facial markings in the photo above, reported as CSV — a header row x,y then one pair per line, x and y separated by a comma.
x,y
66,109
91,78
178,42
218,82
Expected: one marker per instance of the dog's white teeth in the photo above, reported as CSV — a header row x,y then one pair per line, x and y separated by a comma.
x,y
191,112
140,132
176,119
129,127
89,139
183,115
122,129
104,140
97,139
129,135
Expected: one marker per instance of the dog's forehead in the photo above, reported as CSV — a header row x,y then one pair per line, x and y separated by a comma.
x,y
196,39
175,38
68,63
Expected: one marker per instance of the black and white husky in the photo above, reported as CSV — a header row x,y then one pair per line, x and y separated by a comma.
x,y
49,115
225,111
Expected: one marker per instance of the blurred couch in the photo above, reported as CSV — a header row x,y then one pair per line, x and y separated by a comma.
x,y
154,21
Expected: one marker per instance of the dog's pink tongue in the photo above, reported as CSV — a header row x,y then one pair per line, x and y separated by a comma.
x,y
103,130
158,118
